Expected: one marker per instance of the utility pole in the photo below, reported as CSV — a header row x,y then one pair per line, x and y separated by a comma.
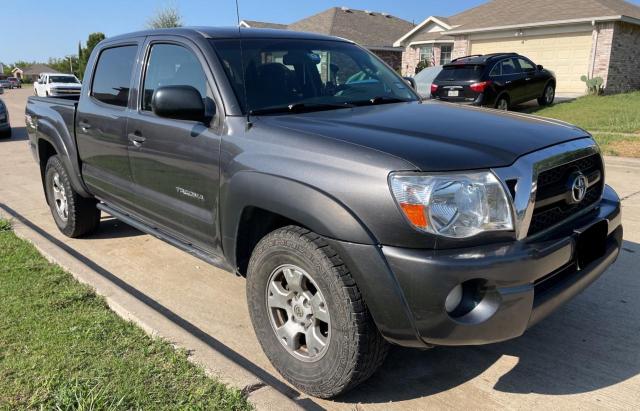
x,y
70,64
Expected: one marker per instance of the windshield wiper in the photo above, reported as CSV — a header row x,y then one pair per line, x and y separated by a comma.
x,y
381,100
300,108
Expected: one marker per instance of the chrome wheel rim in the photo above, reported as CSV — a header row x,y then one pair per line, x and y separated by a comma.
x,y
298,313
550,94
503,105
60,198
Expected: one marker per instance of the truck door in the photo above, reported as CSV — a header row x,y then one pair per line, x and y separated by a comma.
x,y
101,123
175,163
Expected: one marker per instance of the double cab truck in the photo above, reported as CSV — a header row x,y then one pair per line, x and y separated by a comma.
x,y
359,214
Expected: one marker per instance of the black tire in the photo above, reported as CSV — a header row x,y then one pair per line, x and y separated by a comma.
x,y
548,95
503,103
355,349
83,217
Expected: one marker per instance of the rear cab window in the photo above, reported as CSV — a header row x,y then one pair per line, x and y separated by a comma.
x,y
112,78
460,72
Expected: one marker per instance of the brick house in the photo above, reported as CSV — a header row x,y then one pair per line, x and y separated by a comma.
x,y
372,30
597,38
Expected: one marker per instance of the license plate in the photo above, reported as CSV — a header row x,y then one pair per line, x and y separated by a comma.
x,y
592,244
453,93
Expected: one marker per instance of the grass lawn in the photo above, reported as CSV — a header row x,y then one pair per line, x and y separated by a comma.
x,y
62,348
614,120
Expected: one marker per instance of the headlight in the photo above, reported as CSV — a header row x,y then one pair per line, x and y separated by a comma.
x,y
453,205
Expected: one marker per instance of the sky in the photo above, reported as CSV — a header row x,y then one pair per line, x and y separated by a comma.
x,y
53,28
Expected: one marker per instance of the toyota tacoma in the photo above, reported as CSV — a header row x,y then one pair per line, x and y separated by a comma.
x,y
359,214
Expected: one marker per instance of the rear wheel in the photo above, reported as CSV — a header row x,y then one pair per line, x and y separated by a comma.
x,y
502,103
308,314
548,95
74,215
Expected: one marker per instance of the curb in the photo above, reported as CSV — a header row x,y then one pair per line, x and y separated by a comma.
x,y
259,394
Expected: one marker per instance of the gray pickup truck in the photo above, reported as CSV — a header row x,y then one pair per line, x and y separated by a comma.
x,y
359,214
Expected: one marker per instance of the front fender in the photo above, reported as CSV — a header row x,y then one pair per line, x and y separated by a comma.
x,y
299,202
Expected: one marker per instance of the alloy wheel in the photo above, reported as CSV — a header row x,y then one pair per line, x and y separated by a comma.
x,y
298,313
60,197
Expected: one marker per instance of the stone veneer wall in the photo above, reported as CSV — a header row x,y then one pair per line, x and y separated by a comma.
x,y
411,58
624,61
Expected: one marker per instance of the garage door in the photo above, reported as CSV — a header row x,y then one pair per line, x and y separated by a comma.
x,y
567,55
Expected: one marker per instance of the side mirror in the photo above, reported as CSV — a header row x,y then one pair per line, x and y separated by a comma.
x,y
178,102
410,81
539,66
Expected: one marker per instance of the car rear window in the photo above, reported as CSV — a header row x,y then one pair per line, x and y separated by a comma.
x,y
460,72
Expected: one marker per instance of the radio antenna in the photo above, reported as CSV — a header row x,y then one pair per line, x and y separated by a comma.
x,y
244,75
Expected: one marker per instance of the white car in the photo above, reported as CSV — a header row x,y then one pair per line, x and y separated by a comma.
x,y
57,85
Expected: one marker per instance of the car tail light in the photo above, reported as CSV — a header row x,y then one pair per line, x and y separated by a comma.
x,y
434,88
480,87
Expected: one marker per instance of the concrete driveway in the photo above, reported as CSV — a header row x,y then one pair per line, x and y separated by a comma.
x,y
585,356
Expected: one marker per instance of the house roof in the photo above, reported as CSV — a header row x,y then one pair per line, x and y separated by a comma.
x,y
370,29
37,69
367,28
507,13
263,24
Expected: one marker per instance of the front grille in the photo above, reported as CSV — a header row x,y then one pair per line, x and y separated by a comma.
x,y
554,182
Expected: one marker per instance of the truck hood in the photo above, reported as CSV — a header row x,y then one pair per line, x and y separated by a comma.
x,y
435,136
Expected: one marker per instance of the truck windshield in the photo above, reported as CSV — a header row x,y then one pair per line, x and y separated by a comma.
x,y
63,79
292,75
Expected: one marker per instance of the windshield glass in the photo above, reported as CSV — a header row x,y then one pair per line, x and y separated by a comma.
x,y
291,72
63,79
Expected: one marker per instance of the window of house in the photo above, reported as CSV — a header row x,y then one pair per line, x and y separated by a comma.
x,y
426,53
445,54
112,79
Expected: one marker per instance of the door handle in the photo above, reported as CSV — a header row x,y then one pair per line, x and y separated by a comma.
x,y
528,79
508,82
84,126
136,138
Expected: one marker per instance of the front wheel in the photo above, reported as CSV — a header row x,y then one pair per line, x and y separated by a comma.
x,y
309,315
548,96
74,215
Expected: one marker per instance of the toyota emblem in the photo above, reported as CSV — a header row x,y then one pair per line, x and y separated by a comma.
x,y
579,187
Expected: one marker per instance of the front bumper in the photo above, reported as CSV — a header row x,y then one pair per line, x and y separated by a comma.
x,y
522,282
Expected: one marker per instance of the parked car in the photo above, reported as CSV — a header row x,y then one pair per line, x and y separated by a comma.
x,y
15,82
57,85
5,126
424,79
358,213
5,84
494,80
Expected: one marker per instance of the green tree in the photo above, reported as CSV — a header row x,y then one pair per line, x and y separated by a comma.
x,y
85,53
165,18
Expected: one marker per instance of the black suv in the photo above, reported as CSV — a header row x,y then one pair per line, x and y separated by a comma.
x,y
498,80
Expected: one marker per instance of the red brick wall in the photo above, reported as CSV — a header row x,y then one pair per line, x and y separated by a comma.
x,y
392,58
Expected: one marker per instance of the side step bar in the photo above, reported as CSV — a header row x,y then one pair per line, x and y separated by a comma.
x,y
196,252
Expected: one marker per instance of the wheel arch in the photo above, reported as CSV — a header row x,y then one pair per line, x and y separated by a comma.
x,y
254,204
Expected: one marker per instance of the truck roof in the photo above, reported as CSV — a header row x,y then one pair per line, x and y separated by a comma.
x,y
229,33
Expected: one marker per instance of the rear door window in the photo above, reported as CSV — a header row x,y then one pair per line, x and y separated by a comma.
x,y
461,72
112,78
